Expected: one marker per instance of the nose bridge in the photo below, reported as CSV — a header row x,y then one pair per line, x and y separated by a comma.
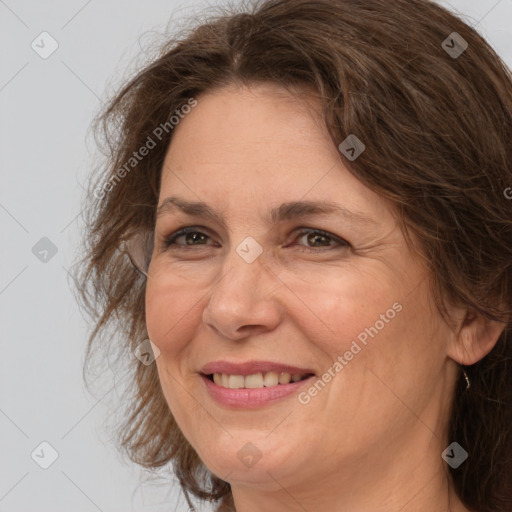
x,y
244,274
241,297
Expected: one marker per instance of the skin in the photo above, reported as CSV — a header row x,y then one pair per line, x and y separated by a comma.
x,y
372,438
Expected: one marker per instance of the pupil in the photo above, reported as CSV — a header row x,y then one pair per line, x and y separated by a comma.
x,y
193,237
315,237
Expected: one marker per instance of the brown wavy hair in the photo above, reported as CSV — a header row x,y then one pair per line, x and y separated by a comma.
x,y
438,135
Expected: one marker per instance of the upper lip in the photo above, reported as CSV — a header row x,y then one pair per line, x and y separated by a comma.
x,y
252,367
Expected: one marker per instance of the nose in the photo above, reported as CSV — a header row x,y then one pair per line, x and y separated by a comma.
x,y
242,304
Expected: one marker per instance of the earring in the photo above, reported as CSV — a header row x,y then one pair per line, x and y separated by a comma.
x,y
468,383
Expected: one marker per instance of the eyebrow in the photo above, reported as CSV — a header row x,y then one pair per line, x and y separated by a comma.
x,y
286,211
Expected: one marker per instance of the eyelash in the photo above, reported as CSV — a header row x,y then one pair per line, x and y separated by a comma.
x,y
171,239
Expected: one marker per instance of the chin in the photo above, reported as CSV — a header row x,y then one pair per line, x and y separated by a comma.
x,y
258,462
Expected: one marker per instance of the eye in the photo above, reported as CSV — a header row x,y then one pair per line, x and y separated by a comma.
x,y
320,239
192,237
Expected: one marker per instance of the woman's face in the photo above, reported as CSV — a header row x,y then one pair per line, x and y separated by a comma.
x,y
262,280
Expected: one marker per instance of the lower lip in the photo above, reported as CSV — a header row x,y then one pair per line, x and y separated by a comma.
x,y
251,398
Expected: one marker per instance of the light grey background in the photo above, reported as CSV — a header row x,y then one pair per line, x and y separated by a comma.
x,y
46,108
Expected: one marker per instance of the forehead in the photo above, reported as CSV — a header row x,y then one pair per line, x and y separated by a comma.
x,y
259,146
241,126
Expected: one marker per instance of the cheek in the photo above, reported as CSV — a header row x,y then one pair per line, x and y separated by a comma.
x,y
373,323
172,317
172,314
340,307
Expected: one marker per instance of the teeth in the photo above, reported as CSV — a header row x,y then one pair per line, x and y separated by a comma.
x,y
236,381
284,378
256,380
271,379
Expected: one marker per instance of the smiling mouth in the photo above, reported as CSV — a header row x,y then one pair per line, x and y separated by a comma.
x,y
257,380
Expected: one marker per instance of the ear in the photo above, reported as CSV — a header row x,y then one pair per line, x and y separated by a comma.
x,y
474,338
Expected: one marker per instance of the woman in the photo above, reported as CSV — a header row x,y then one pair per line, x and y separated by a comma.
x,y
313,193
